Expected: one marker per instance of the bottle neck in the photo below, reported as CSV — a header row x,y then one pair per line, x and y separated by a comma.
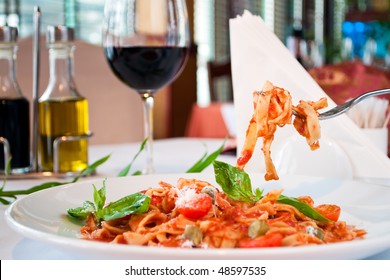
x,y
9,87
61,80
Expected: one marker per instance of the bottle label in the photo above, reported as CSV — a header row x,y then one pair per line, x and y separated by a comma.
x,y
6,53
62,53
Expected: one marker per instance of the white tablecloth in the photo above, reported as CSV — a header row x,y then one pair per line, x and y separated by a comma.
x,y
171,156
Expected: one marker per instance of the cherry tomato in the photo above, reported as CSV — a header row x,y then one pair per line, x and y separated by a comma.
x,y
156,200
329,211
197,207
270,240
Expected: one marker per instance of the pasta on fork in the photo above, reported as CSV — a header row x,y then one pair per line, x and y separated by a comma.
x,y
272,108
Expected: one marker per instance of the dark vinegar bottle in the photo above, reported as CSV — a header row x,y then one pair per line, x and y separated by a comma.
x,y
14,108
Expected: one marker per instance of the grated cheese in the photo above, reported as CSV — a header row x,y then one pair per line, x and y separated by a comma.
x,y
185,195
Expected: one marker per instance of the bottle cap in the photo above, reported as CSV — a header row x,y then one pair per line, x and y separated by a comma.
x,y
59,33
8,34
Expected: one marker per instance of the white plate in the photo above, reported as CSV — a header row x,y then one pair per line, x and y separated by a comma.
x,y
42,216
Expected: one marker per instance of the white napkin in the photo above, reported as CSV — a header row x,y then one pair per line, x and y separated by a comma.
x,y
258,55
228,115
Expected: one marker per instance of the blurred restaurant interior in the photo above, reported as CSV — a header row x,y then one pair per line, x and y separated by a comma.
x,y
348,36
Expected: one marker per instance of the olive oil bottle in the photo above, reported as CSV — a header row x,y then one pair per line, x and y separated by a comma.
x,y
63,112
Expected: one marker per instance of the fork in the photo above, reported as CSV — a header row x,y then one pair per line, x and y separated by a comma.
x,y
342,108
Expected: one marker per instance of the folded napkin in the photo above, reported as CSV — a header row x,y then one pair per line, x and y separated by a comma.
x,y
257,55
228,114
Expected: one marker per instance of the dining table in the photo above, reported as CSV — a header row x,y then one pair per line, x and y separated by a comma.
x,y
171,155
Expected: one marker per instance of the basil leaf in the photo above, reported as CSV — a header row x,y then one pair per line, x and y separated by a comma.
x,y
99,197
302,207
205,160
126,170
237,185
136,203
235,182
82,212
258,194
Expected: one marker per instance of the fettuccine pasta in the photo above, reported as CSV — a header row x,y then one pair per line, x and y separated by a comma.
x,y
272,108
194,214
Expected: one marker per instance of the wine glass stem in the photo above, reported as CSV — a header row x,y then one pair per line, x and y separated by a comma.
x,y
148,102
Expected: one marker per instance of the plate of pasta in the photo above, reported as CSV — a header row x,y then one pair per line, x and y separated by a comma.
x,y
226,215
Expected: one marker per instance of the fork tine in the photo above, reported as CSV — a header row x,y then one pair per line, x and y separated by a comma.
x,y
295,113
342,108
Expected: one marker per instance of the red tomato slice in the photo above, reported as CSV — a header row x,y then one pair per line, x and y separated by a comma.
x,y
197,207
330,211
156,200
271,240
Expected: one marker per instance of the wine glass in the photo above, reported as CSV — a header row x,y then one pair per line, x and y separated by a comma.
x,y
146,43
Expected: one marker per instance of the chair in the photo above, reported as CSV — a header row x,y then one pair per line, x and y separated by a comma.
x,y
206,122
220,71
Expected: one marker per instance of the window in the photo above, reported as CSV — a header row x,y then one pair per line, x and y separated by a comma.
x,y
212,32
86,16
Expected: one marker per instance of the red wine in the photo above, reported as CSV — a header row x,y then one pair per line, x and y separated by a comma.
x,y
146,68
15,127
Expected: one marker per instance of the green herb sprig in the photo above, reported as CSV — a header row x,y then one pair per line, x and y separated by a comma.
x,y
237,185
206,160
125,171
136,203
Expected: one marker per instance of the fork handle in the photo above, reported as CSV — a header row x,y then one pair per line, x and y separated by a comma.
x,y
371,93
340,109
